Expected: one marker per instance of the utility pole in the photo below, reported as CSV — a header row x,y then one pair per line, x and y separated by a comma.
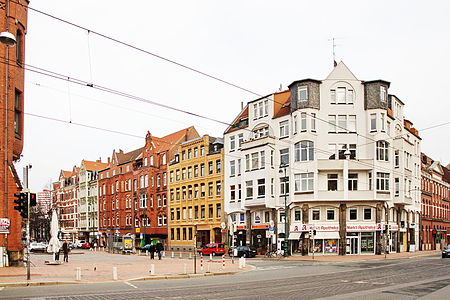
x,y
25,176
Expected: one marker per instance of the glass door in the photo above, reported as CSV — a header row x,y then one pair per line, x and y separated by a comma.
x,y
352,245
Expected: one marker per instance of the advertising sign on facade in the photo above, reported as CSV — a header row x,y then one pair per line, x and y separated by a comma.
x,y
360,227
4,225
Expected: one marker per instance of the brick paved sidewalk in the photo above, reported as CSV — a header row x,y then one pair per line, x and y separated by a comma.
x,y
98,266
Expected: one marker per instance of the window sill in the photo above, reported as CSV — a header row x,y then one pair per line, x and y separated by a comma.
x,y
303,192
384,192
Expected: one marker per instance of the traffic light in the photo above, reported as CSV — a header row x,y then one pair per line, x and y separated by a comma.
x,y
33,201
22,204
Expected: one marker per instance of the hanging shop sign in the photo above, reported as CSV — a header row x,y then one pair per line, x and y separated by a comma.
x,y
4,225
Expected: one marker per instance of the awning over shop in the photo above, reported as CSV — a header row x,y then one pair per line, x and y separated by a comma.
x,y
327,235
294,235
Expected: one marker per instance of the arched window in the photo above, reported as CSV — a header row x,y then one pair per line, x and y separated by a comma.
x,y
304,151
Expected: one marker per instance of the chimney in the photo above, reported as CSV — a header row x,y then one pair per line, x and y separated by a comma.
x,y
99,160
109,161
242,105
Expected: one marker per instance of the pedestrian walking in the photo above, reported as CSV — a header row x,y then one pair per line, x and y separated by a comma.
x,y
152,251
66,250
159,249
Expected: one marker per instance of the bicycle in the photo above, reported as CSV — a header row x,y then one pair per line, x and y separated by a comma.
x,y
274,254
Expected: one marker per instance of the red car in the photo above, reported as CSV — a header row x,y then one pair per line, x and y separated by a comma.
x,y
213,248
85,246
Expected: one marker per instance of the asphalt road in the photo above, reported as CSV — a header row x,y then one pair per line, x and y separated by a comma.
x,y
425,277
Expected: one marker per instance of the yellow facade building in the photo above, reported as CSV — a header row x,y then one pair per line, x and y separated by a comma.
x,y
196,194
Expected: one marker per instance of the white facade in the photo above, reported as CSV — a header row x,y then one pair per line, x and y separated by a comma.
x,y
88,202
347,201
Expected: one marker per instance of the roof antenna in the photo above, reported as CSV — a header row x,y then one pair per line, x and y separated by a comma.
x,y
334,53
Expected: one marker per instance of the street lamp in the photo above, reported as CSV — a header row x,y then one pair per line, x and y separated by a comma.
x,y
282,170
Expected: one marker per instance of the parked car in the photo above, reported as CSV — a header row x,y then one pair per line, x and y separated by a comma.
x,y
86,245
446,251
244,251
146,247
35,246
213,248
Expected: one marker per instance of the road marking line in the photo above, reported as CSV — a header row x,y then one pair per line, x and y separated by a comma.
x,y
1,288
130,284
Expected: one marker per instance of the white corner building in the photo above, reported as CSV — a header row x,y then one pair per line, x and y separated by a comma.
x,y
339,155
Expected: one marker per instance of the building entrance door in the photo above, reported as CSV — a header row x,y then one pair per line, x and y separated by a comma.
x,y
352,245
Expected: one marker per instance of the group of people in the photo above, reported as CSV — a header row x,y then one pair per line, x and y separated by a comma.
x,y
158,248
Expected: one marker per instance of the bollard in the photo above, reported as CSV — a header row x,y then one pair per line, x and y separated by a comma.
x,y
173,254
209,267
210,256
190,255
223,261
240,262
78,274
243,262
146,252
185,269
114,273
181,255
139,252
201,262
152,269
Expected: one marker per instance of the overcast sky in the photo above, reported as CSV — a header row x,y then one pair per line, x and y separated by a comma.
x,y
257,45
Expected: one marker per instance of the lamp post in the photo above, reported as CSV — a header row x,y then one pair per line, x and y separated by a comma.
x,y
283,168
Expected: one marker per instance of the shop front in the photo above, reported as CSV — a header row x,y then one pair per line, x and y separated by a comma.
x,y
325,241
259,238
361,238
393,238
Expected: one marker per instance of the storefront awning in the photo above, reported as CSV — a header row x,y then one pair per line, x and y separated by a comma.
x,y
327,235
294,235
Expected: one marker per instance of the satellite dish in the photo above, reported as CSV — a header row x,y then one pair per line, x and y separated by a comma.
x,y
7,38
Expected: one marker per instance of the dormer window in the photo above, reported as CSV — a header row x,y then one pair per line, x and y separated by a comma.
x,y
302,93
260,109
383,94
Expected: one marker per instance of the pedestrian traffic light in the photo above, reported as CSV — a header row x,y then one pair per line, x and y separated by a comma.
x,y
22,204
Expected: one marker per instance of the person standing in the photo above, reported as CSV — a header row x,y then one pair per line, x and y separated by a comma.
x,y
159,249
66,250
152,251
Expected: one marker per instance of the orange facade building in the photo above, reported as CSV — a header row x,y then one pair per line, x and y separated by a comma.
x,y
133,190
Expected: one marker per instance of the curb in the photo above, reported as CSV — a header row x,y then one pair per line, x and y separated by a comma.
x,y
179,276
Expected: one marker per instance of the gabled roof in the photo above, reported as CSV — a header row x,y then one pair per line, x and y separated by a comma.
x,y
65,174
94,165
167,142
341,72
237,123
436,166
123,158
447,173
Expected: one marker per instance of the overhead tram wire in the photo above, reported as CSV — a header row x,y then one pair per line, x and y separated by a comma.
x,y
139,49
173,62
123,94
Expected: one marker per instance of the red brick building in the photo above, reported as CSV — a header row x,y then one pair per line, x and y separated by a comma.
x,y
435,224
65,200
13,20
133,190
